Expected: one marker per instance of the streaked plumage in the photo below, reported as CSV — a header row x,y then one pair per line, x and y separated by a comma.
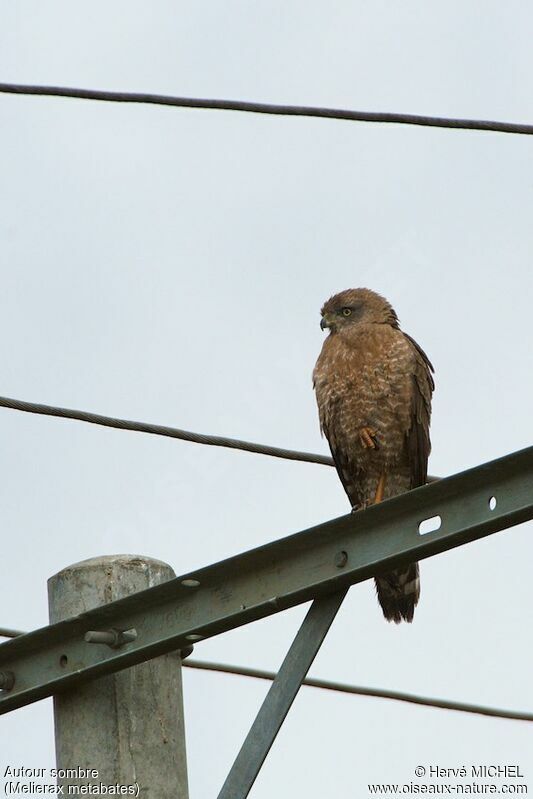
x,y
373,387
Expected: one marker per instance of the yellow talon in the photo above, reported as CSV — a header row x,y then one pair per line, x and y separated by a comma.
x,y
367,437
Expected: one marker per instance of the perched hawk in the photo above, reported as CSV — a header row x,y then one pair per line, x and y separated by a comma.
x,y
373,387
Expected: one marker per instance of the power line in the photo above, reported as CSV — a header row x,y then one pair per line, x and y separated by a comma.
x,y
269,108
170,432
6,632
359,690
162,430
341,687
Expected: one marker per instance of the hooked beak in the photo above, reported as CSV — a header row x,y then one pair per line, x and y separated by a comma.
x,y
325,322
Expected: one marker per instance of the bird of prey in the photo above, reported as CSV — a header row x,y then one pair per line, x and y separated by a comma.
x,y
373,387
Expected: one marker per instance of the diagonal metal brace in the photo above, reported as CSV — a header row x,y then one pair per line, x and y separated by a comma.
x,y
280,697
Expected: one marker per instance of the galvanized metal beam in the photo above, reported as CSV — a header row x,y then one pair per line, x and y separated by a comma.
x,y
255,584
280,697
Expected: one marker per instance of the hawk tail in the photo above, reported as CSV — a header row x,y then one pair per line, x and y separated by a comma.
x,y
398,593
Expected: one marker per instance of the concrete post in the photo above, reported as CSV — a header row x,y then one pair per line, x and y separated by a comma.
x,y
128,726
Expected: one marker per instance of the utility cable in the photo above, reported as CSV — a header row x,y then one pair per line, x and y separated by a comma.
x,y
342,687
345,688
171,432
5,632
161,430
269,108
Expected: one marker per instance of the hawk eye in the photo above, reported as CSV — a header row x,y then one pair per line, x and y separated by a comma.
x,y
346,311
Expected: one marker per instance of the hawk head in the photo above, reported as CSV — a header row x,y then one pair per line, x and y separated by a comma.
x,y
356,307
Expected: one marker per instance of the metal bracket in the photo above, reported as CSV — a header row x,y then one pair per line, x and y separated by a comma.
x,y
255,584
280,697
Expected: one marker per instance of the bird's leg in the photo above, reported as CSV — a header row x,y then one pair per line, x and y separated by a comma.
x,y
378,497
380,490
367,436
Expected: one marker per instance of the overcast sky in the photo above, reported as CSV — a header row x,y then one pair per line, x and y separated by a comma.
x,y
169,265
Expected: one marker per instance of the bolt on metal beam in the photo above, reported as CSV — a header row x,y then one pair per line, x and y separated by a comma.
x,y
271,578
7,680
114,638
